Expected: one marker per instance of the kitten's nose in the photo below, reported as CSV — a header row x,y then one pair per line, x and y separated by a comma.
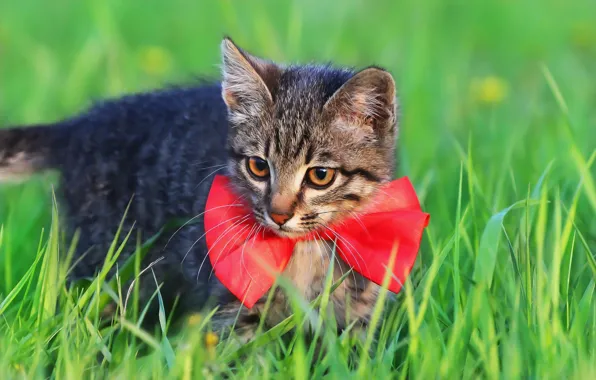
x,y
280,219
281,208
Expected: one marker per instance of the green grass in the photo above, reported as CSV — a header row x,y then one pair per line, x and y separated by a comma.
x,y
498,135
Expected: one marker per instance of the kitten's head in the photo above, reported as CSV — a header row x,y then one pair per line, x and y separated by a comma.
x,y
309,145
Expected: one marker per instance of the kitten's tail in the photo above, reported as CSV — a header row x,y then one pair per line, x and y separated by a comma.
x,y
27,150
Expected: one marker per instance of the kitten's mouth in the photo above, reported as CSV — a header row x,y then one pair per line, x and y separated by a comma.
x,y
286,232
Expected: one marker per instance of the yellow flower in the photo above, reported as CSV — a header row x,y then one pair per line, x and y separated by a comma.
x,y
211,339
489,90
194,319
155,60
583,35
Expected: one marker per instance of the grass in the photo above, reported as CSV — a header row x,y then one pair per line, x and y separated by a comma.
x,y
497,134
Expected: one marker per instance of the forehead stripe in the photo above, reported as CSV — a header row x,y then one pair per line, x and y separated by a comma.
x,y
361,172
267,147
309,154
277,139
301,143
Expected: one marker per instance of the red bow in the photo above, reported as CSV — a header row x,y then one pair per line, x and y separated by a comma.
x,y
246,258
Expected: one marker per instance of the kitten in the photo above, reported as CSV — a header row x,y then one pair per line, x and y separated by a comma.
x,y
304,145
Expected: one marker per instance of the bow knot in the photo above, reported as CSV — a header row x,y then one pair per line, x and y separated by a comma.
x,y
246,257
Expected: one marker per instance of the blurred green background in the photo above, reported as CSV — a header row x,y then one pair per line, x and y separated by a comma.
x,y
475,80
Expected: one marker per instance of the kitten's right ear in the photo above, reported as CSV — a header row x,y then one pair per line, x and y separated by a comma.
x,y
248,82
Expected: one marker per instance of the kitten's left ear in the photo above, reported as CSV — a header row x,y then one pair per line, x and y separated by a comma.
x,y
366,101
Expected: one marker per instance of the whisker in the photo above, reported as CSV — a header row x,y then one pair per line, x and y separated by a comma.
x,y
357,217
199,162
217,240
236,236
321,249
310,258
330,251
214,227
391,196
209,175
349,245
353,213
332,256
310,223
256,233
242,253
196,216
209,167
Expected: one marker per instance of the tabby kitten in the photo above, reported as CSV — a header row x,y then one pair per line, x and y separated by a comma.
x,y
303,145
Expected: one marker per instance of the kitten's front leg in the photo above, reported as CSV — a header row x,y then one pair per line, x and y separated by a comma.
x,y
235,321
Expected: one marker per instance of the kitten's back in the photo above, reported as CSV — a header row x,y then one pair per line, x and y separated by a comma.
x,y
130,122
160,149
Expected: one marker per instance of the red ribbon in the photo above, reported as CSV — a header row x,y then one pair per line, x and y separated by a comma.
x,y
247,262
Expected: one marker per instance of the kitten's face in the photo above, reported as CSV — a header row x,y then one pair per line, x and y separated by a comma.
x,y
308,145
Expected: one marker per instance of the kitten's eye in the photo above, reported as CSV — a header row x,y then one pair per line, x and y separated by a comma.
x,y
258,168
320,178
